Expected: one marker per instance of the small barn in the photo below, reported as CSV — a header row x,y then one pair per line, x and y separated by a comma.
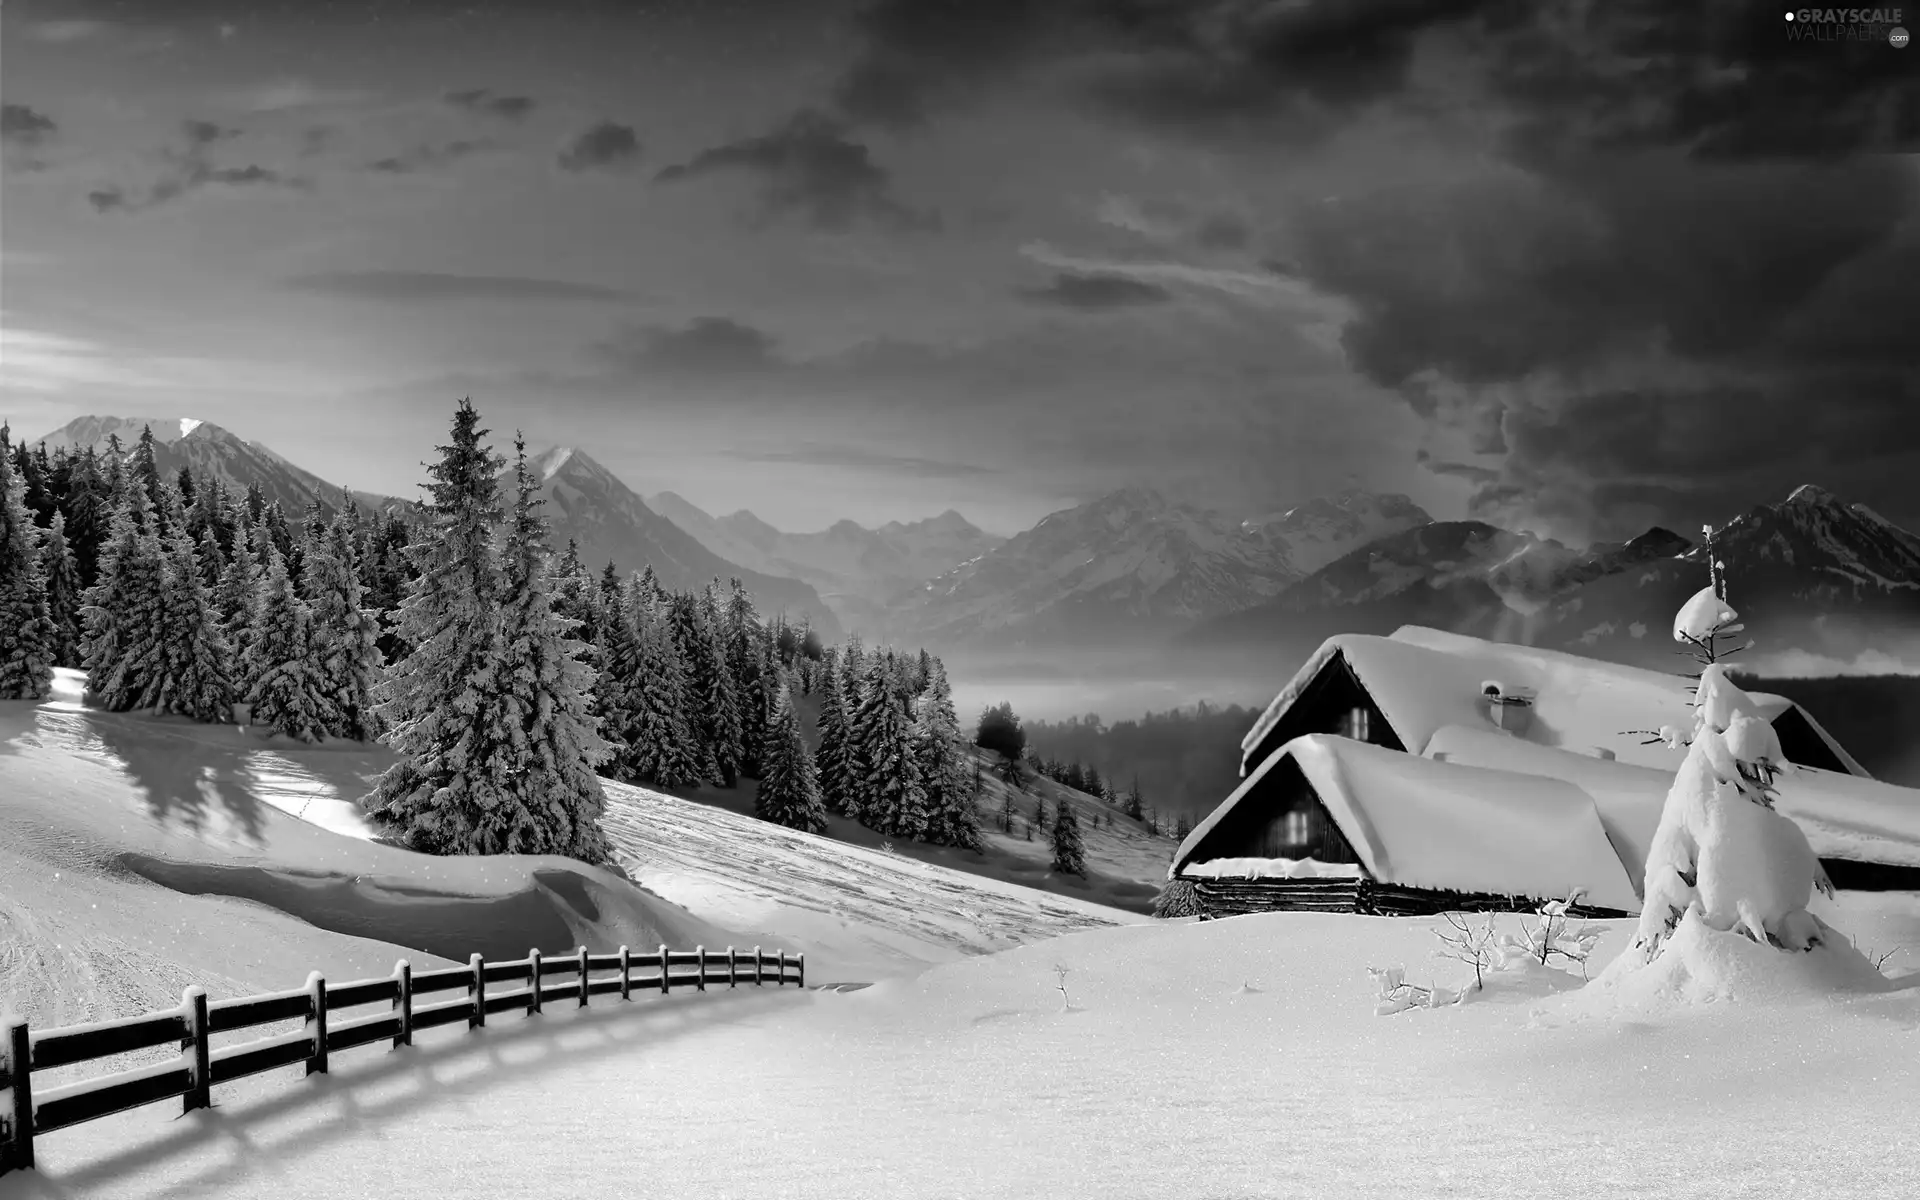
x,y
1374,732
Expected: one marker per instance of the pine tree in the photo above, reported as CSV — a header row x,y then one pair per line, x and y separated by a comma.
x,y
1007,810
889,795
29,640
664,750
236,598
346,636
789,792
711,702
1069,856
833,758
1135,807
286,694
551,745
617,692
89,512
940,753
197,676
64,592
441,703
740,626
145,471
122,646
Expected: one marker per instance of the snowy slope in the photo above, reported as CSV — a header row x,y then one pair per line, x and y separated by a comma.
x,y
1231,1058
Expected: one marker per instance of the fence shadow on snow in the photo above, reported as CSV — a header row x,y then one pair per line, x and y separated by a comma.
x,y
25,1116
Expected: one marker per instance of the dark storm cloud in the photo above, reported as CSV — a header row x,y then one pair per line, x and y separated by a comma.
x,y
708,346
430,286
916,54
821,455
808,167
427,157
605,146
487,103
1096,293
21,125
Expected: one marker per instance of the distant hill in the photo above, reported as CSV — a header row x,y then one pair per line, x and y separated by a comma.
x,y
212,452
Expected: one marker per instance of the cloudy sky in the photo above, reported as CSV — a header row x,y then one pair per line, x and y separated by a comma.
x,y
1576,267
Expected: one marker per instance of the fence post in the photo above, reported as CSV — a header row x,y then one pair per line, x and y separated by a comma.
x,y
16,1152
403,1003
664,981
194,1003
585,966
733,968
701,979
759,967
533,977
626,974
477,988
802,981
317,1023
782,979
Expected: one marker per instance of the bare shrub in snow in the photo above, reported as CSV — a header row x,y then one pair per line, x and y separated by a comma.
x,y
1556,935
1396,995
1066,1000
1477,946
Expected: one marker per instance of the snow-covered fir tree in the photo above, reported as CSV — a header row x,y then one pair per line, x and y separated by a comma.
x,y
238,595
1069,854
441,704
617,691
29,639
663,748
64,592
711,701
346,635
833,757
545,759
945,772
197,674
789,792
1721,851
285,693
123,645
888,796
144,473
739,630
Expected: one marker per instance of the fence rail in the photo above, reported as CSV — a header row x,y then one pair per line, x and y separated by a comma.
x,y
25,1114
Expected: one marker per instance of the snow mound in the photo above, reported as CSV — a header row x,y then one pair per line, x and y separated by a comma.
x,y
1702,965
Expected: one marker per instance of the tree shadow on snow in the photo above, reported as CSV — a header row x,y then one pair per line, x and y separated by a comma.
x,y
441,1068
184,779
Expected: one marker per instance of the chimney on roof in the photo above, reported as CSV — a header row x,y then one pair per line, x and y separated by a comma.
x,y
1511,708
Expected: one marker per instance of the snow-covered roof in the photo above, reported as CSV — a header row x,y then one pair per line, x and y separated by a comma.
x,y
1845,816
1432,824
1425,679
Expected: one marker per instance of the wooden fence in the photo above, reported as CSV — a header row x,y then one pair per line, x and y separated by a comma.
x,y
192,1026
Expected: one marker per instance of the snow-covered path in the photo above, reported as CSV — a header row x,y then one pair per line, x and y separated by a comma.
x,y
1238,1057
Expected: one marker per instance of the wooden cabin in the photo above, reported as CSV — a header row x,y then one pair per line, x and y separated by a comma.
x,y
1371,729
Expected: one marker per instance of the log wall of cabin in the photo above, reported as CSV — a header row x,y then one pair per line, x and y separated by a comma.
x,y
1328,704
1259,826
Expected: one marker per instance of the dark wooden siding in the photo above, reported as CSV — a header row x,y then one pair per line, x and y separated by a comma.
x,y
1323,707
1258,826
1236,897
1803,745
1852,875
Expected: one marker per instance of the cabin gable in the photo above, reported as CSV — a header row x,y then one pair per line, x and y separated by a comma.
x,y
1281,816
1334,701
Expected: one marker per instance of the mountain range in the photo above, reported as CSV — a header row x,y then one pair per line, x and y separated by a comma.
x,y
212,452
1810,573
862,574
1201,591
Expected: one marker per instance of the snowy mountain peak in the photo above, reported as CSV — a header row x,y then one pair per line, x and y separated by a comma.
x,y
553,461
1811,493
188,425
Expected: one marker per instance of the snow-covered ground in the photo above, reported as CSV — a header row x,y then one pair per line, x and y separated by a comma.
x,y
1239,1057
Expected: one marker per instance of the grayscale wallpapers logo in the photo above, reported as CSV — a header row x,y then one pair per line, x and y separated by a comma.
x,y
1847,25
